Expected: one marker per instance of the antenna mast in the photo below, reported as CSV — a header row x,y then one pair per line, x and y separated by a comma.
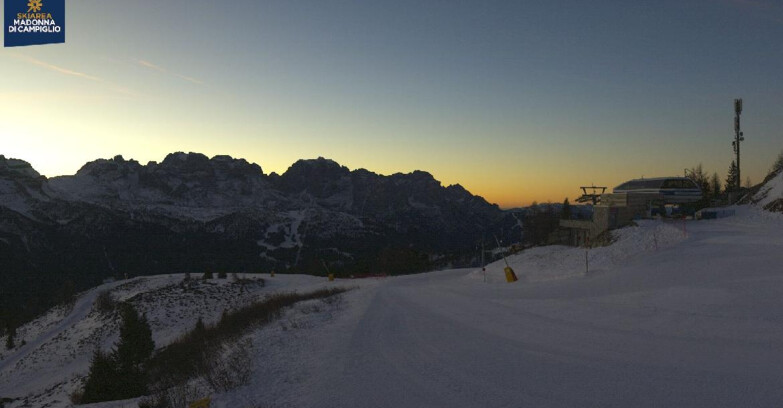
x,y
738,136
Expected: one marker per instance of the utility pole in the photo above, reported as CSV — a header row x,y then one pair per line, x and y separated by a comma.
x,y
738,137
483,266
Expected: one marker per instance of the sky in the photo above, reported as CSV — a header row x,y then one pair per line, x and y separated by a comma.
x,y
517,101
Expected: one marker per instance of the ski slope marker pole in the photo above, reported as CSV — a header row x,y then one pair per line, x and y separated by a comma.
x,y
587,251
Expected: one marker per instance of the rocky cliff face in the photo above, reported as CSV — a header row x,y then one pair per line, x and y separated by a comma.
x,y
189,212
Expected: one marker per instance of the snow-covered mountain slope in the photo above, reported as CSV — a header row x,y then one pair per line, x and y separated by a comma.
x,y
54,351
770,194
669,315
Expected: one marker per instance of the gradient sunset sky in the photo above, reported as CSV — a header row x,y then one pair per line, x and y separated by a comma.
x,y
518,101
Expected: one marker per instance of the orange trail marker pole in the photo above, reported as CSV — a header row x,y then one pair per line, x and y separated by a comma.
x,y
510,275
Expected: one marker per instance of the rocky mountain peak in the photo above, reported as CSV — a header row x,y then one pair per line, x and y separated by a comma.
x,y
13,168
110,169
317,176
319,165
199,164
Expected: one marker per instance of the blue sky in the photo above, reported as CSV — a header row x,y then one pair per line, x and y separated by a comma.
x,y
517,101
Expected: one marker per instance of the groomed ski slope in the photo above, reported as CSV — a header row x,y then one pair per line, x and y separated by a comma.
x,y
670,315
697,322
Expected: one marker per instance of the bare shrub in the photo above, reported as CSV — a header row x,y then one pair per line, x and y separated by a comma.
x,y
105,303
230,369
174,397
201,352
75,397
335,301
310,309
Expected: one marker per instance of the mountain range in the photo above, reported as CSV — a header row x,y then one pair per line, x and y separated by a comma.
x,y
191,213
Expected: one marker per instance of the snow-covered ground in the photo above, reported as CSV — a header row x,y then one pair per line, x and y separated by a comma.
x,y
59,345
669,315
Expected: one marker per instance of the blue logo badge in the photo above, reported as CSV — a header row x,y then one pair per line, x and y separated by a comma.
x,y
33,22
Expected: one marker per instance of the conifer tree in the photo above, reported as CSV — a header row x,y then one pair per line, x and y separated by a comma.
x,y
103,379
121,373
698,175
133,350
136,345
715,185
778,165
566,212
200,329
10,340
731,177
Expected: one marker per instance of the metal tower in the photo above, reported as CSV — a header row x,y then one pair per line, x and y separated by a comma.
x,y
737,137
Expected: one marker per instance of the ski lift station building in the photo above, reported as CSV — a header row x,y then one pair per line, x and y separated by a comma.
x,y
631,200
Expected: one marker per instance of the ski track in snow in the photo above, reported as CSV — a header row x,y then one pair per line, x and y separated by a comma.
x,y
81,308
